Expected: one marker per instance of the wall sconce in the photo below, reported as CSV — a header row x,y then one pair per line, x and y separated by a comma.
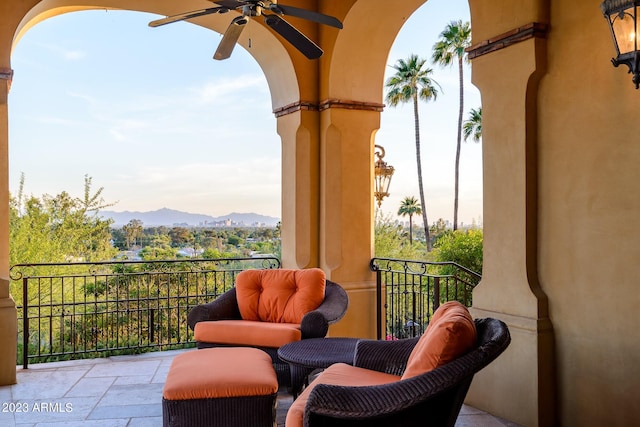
x,y
622,16
383,174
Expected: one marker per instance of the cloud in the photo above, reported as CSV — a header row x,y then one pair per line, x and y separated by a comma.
x,y
63,121
82,96
219,90
62,52
229,109
117,135
73,55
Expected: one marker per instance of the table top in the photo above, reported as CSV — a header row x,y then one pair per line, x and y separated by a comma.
x,y
319,352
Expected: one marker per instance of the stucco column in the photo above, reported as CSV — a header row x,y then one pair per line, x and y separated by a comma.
x,y
8,317
298,131
347,209
520,385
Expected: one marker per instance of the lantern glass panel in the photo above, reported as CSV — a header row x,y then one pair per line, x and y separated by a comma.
x,y
624,29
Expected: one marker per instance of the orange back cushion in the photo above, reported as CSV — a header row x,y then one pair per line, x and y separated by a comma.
x,y
450,334
279,296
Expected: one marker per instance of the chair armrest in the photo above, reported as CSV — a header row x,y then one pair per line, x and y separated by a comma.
x,y
389,404
315,324
222,308
384,356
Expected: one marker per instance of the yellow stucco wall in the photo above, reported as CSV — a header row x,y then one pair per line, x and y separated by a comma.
x,y
567,229
589,151
509,289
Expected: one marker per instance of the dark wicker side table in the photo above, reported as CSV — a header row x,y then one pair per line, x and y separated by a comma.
x,y
307,355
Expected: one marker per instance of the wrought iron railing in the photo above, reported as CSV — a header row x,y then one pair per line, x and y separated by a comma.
x,y
408,292
91,309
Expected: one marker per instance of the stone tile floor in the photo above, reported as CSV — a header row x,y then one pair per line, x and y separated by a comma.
x,y
119,391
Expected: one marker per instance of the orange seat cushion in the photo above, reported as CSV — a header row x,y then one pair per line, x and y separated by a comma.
x,y
220,372
247,332
336,374
279,296
450,334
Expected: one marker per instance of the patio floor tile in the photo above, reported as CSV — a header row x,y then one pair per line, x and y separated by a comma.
x,y
120,391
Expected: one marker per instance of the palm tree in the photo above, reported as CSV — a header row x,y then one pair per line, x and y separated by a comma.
x,y
472,127
413,82
410,206
455,38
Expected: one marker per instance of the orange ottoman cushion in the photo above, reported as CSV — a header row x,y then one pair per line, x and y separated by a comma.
x,y
220,372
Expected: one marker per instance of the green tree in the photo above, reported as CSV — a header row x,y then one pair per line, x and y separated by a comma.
x,y
180,236
463,247
58,228
472,127
410,206
390,240
454,40
159,248
133,231
412,82
438,229
234,240
119,239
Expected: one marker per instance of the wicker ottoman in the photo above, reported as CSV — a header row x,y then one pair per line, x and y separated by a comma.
x,y
224,387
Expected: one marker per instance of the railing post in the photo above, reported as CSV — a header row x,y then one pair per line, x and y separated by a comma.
x,y
152,335
25,323
379,304
413,313
436,293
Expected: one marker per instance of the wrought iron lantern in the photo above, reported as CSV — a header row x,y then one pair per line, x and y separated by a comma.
x,y
622,16
383,174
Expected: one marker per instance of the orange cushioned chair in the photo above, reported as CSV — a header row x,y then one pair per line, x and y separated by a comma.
x,y
269,308
412,382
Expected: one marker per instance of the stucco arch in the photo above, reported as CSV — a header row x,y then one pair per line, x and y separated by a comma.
x,y
357,68
268,51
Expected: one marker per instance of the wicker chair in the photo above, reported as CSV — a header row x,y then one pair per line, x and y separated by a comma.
x,y
433,398
315,324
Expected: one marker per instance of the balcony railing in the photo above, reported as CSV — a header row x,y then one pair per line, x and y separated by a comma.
x,y
408,292
90,309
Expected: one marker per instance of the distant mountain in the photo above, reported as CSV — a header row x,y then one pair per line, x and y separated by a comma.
x,y
171,218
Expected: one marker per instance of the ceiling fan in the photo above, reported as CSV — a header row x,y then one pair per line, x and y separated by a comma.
x,y
273,18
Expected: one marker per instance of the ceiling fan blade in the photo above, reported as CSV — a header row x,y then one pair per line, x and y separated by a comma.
x,y
293,36
230,37
230,4
187,15
306,14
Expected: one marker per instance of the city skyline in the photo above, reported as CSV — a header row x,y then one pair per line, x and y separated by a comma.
x,y
149,116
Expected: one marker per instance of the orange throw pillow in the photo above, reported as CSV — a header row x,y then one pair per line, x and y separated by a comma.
x,y
279,296
450,334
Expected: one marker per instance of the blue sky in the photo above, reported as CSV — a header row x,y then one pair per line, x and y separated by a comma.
x,y
155,121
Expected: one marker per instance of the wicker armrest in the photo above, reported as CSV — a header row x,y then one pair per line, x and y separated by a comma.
x,y
335,304
370,402
315,324
384,356
223,307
